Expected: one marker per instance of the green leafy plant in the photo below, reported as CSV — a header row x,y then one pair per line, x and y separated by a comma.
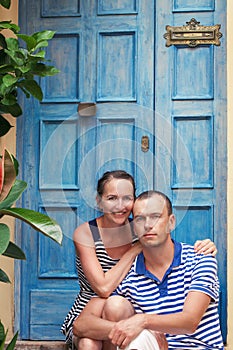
x,y
10,190
3,335
20,67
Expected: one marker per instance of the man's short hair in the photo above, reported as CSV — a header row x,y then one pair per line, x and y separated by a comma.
x,y
151,193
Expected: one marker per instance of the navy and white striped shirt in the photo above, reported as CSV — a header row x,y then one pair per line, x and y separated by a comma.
x,y
188,272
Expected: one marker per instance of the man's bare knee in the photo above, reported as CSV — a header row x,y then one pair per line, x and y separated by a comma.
x,y
117,308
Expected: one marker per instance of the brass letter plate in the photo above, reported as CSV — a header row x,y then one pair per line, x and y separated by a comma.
x,y
193,34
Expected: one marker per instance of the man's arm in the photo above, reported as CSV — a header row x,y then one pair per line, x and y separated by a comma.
x,y
196,303
89,324
183,322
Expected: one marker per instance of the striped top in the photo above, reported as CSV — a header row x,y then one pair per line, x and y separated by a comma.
x,y
86,292
188,272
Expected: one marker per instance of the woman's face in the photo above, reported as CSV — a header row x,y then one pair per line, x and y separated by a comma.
x,y
117,201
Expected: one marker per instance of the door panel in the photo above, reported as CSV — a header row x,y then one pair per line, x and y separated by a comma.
x,y
112,53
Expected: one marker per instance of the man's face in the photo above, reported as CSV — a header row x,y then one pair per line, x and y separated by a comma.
x,y
152,223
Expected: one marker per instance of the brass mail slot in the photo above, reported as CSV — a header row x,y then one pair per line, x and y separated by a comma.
x,y
193,34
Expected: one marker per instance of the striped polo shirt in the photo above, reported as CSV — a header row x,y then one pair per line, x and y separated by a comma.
x,y
188,272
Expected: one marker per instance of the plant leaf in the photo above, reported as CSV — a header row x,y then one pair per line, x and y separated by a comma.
x,y
9,80
3,56
32,87
14,110
8,175
4,278
13,251
43,35
6,68
4,238
12,44
29,40
44,70
2,332
11,345
16,165
9,25
2,41
3,335
6,3
14,194
41,44
17,61
38,221
9,100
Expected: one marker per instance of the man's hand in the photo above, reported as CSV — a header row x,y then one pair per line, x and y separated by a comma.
x,y
123,332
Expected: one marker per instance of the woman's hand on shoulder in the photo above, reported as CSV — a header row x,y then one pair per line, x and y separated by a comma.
x,y
205,247
135,249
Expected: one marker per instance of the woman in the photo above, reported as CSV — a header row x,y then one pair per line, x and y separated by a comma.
x,y
106,246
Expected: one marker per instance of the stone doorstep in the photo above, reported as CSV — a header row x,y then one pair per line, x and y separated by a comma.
x,y
40,345
45,345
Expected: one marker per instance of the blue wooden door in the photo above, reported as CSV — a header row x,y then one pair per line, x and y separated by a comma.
x,y
101,49
159,113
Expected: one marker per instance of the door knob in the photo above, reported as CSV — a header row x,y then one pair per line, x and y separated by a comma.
x,y
145,143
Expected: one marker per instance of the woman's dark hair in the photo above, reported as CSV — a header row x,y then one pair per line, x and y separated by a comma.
x,y
115,174
151,193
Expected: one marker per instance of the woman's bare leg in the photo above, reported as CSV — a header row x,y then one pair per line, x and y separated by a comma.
x,y
116,308
90,344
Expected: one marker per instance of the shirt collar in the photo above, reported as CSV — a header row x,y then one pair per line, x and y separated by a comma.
x,y
140,267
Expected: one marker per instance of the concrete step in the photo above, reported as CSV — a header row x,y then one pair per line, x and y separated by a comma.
x,y
47,345
40,345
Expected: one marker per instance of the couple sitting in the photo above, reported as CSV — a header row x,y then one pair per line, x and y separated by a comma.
x,y
169,297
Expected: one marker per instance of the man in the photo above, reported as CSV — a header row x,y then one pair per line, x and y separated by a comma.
x,y
173,290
